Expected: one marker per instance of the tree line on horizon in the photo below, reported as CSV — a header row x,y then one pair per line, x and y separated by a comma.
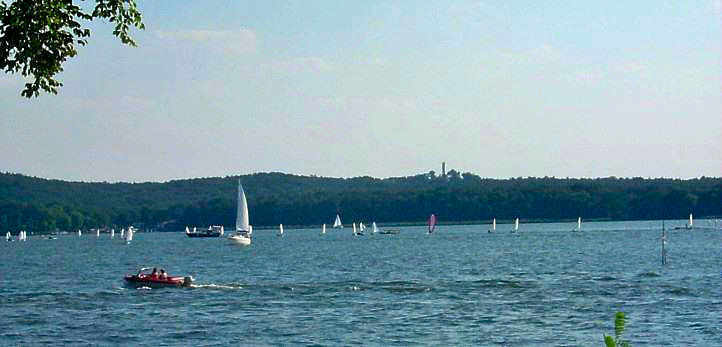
x,y
40,205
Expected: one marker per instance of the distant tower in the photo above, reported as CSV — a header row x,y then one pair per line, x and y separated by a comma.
x,y
443,169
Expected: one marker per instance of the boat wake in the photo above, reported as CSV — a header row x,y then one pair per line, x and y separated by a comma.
x,y
232,286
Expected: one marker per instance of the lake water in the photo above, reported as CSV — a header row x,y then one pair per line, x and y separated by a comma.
x,y
542,286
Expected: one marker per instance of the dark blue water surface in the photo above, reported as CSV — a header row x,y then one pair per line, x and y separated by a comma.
x,y
542,286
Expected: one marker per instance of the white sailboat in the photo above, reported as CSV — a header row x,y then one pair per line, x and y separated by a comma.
x,y
129,235
516,226
97,232
432,223
361,226
112,233
8,237
243,227
337,222
579,224
375,228
354,229
80,233
323,229
691,221
122,233
280,230
493,226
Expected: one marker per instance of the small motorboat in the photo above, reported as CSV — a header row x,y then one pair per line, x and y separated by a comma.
x,y
144,278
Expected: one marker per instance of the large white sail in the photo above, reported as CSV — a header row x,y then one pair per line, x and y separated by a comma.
x,y
337,222
242,223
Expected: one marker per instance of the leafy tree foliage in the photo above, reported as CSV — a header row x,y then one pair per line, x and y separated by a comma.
x,y
38,36
40,204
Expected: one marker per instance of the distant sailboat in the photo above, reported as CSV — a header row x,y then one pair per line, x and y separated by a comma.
x,y
337,222
361,226
579,224
122,233
112,233
323,229
354,229
375,228
97,232
80,233
280,230
243,227
8,237
691,221
129,235
493,226
432,223
516,226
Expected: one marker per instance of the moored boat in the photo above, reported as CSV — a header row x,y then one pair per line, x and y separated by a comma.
x,y
212,231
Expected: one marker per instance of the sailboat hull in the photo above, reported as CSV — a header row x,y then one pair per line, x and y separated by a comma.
x,y
240,240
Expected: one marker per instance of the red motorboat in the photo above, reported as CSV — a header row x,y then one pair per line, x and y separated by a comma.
x,y
144,278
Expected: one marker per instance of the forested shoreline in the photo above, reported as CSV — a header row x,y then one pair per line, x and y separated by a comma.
x,y
39,205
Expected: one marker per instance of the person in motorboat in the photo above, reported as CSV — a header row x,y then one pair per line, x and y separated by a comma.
x,y
154,274
144,277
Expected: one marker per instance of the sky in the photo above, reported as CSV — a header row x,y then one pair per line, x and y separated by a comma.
x,y
382,88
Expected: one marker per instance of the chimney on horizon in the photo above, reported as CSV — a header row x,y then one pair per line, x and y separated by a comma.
x,y
443,169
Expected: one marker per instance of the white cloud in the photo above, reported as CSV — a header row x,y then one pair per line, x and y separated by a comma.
x,y
235,41
300,64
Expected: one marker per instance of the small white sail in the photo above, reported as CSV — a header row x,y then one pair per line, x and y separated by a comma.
x,y
323,229
112,233
376,229
97,232
8,237
361,226
516,224
129,236
493,225
280,229
188,231
122,232
579,223
354,228
691,221
80,233
337,222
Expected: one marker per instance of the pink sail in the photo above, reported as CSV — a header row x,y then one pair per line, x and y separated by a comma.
x,y
432,223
